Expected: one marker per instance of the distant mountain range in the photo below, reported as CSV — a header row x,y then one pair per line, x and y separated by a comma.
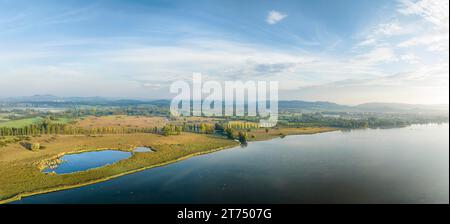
x,y
393,107
51,100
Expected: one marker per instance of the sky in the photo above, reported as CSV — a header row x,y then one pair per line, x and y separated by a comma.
x,y
343,51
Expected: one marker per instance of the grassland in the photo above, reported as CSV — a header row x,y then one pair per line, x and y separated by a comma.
x,y
21,122
261,134
20,173
29,121
121,121
4,117
20,168
138,121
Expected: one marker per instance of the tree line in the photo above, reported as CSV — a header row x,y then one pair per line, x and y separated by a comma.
x,y
48,128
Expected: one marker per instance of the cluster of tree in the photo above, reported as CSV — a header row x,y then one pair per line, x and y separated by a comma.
x,y
49,128
400,121
359,120
338,123
171,130
34,130
144,110
242,136
230,133
62,129
202,128
239,125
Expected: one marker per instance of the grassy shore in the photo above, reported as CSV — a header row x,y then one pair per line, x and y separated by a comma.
x,y
262,134
20,170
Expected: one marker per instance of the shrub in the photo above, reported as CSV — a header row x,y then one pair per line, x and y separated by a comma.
x,y
243,137
35,146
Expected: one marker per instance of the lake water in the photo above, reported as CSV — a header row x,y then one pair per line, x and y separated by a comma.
x,y
88,160
402,165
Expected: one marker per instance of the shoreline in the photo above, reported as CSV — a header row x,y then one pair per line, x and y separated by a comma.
x,y
67,187
27,194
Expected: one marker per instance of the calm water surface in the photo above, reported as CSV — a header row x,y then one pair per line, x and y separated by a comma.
x,y
88,160
403,165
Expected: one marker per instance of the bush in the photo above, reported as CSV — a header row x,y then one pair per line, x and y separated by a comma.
x,y
31,146
243,137
229,133
35,146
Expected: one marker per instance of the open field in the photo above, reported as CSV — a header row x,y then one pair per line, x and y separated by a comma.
x,y
21,122
121,121
29,121
4,117
211,120
138,121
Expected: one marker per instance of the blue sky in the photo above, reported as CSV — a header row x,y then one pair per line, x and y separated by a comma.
x,y
345,51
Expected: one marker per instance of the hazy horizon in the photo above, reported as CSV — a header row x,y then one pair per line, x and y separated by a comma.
x,y
168,99
353,53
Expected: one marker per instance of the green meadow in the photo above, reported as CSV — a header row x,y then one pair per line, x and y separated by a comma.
x,y
20,122
28,121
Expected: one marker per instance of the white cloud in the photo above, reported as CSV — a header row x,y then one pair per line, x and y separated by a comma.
x,y
410,58
435,11
382,32
376,56
422,86
367,42
152,66
389,29
274,17
436,38
434,42
136,67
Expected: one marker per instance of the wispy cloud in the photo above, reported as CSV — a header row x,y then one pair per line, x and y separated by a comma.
x,y
33,17
376,56
274,17
435,11
426,85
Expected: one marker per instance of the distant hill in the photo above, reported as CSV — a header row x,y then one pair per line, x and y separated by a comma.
x,y
401,107
51,98
303,106
312,106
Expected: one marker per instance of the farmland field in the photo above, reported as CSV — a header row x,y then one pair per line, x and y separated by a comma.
x,y
29,121
20,122
121,121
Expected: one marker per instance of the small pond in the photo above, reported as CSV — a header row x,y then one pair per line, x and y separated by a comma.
x,y
87,160
142,149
